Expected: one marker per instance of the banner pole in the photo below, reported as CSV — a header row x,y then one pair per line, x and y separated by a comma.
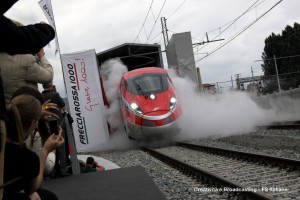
x,y
74,159
58,47
70,136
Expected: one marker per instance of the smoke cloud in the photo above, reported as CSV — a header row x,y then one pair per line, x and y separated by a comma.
x,y
231,112
111,72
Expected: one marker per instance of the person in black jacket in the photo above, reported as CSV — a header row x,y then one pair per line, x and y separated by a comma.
x,y
23,39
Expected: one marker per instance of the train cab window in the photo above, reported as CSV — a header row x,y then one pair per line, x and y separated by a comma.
x,y
147,84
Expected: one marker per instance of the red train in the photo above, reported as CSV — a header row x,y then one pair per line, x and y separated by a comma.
x,y
149,105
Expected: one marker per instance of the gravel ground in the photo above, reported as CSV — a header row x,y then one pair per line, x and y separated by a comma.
x,y
282,143
172,183
248,174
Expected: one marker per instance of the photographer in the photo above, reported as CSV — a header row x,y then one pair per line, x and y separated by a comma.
x,y
92,166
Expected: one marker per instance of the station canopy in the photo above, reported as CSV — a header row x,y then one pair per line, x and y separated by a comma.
x,y
134,55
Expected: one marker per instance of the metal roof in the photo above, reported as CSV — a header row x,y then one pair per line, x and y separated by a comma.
x,y
134,55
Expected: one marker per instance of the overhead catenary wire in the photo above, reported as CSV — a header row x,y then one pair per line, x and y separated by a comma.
x,y
243,30
152,27
278,58
160,34
144,22
156,21
220,27
176,9
147,35
153,16
253,6
232,22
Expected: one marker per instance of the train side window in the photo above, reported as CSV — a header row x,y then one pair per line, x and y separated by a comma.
x,y
121,87
169,79
130,86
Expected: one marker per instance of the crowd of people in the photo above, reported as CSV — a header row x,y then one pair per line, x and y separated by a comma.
x,y
29,151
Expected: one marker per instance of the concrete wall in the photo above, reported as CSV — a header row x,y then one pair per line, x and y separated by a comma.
x,y
286,102
180,55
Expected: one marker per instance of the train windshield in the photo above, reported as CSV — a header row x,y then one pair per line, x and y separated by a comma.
x,y
147,84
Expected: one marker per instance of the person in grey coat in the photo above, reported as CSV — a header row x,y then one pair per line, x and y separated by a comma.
x,y
24,70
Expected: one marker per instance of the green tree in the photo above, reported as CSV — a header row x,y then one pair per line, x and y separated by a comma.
x,y
284,45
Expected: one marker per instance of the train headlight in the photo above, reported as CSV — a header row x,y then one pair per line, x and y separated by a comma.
x,y
173,102
152,96
136,108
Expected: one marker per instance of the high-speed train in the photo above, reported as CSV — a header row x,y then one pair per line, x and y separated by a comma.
x,y
149,104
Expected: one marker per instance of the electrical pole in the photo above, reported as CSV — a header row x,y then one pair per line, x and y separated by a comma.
x,y
238,81
164,31
278,82
200,87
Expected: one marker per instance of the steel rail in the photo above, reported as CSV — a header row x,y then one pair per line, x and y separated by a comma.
x,y
207,177
264,159
281,125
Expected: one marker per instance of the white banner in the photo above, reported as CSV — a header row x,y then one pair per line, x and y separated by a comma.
x,y
47,9
85,100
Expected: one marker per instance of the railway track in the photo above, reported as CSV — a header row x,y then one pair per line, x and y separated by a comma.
x,y
237,174
281,125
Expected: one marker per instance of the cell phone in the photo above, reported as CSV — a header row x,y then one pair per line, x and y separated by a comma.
x,y
53,125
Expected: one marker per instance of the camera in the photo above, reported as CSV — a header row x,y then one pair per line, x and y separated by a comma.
x,y
53,125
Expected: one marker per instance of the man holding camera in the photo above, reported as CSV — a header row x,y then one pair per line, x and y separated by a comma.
x,y
91,166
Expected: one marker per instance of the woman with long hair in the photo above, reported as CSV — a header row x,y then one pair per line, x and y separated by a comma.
x,y
22,166
37,139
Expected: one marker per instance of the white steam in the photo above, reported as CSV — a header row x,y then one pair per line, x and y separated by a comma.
x,y
215,114
231,112
111,73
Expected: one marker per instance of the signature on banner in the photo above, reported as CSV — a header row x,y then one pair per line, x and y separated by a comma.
x,y
84,78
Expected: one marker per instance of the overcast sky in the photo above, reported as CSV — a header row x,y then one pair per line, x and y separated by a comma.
x,y
103,24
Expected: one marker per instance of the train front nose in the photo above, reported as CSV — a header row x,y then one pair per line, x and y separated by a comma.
x,y
158,124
